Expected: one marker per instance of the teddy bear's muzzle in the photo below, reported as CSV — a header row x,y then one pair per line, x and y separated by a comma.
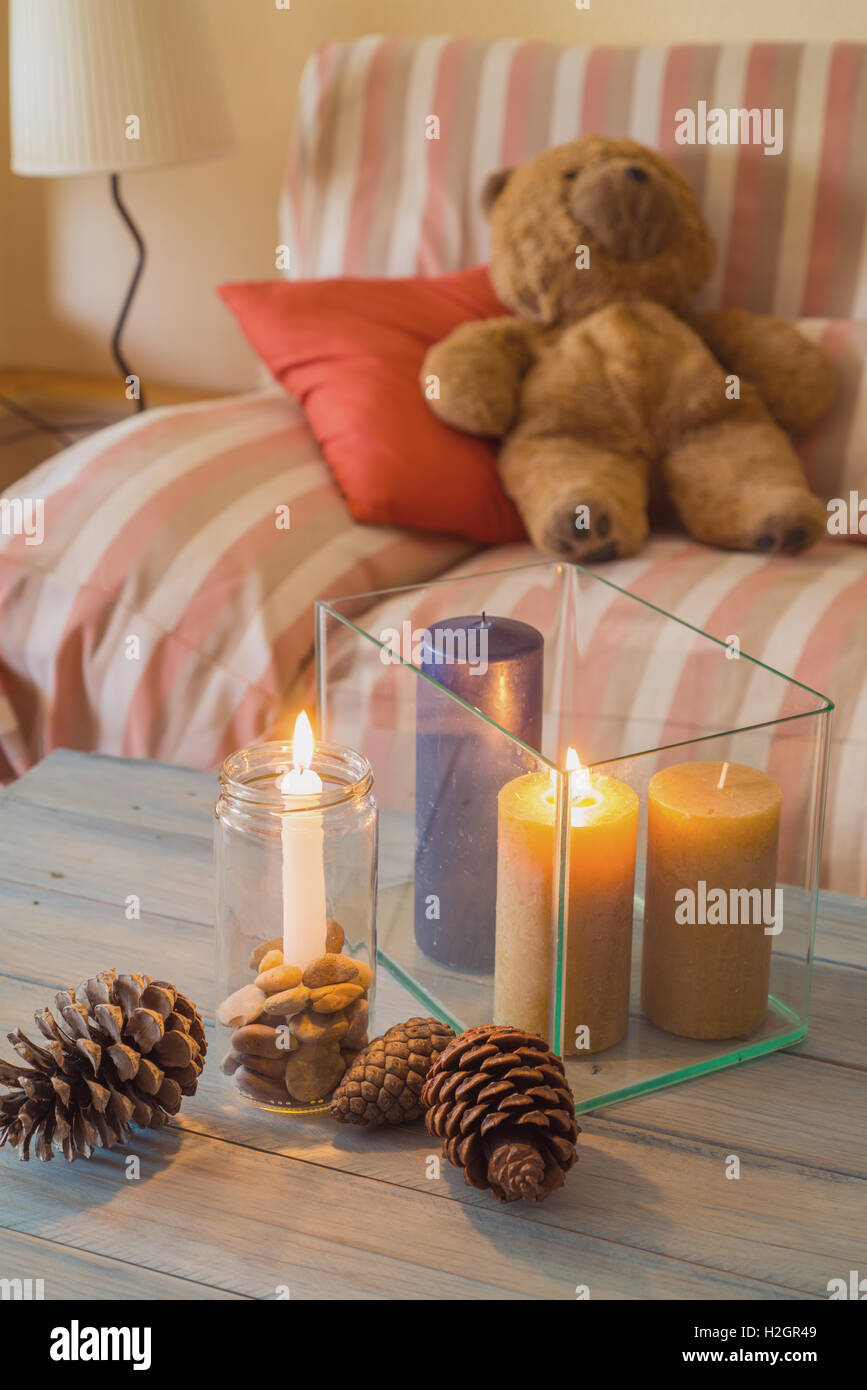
x,y
626,207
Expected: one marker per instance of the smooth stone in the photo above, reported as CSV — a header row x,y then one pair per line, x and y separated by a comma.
x,y
259,952
318,1028
332,998
365,975
289,1002
260,1087
244,1006
334,937
231,1062
330,969
256,1040
280,978
266,1066
313,1072
287,1042
269,960
357,1016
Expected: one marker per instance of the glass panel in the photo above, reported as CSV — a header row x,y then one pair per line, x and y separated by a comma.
x,y
635,693
438,766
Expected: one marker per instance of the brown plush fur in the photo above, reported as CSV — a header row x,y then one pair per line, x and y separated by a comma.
x,y
605,390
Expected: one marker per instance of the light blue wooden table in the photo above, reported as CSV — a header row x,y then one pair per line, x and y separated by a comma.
x,y
235,1203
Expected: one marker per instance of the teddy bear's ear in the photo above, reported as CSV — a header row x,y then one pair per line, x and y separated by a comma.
x,y
493,187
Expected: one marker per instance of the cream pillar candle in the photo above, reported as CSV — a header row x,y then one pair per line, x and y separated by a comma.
x,y
303,857
711,826
596,969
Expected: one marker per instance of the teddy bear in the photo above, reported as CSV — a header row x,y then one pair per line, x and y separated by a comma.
x,y
609,396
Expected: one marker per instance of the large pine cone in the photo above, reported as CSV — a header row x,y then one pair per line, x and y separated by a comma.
x,y
383,1085
124,1051
500,1101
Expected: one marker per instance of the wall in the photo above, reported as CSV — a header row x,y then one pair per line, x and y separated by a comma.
x,y
66,256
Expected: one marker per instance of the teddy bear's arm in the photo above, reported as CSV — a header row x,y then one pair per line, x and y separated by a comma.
x,y
471,378
793,376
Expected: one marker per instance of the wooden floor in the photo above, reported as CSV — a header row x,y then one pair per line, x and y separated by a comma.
x,y
234,1203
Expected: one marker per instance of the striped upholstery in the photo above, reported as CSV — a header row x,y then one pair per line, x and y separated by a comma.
x,y
835,451
369,194
162,528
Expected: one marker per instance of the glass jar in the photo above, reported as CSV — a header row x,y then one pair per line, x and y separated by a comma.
x,y
295,920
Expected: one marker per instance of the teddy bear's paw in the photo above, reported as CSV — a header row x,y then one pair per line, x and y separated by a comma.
x,y
787,530
590,532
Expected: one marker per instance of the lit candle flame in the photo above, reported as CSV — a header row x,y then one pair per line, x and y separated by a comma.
x,y
301,780
302,741
579,777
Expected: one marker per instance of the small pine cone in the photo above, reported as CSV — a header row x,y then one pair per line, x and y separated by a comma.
x,y
499,1100
122,1050
383,1085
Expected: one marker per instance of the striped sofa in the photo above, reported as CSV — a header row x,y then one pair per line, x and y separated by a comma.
x,y
164,615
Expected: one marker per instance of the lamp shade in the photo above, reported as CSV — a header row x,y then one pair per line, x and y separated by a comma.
x,y
98,86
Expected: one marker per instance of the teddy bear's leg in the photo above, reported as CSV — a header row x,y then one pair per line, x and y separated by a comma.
x,y
738,483
576,498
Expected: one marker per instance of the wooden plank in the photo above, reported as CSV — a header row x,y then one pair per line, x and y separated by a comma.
x,y
841,934
648,1211
104,860
838,1016
50,940
143,795
666,1196
54,940
791,1108
251,1222
70,1273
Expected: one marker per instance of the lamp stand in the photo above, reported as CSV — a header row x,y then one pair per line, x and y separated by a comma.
x,y
119,358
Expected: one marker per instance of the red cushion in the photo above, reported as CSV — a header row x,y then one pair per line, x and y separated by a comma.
x,y
351,351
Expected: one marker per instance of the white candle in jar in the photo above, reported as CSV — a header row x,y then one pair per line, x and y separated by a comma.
x,y
303,846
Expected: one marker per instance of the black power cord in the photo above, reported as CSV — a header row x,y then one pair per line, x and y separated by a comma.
x,y
133,284
47,426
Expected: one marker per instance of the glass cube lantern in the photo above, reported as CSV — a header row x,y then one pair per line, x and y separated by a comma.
x,y
596,822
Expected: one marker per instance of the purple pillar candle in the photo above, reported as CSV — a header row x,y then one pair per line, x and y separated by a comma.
x,y
495,665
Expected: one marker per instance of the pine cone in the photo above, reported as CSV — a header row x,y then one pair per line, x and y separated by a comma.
x,y
124,1051
500,1101
383,1085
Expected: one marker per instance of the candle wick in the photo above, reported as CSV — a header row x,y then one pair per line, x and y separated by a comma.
x,y
722,777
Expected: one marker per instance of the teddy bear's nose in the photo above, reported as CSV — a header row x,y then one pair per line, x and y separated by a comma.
x,y
630,210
